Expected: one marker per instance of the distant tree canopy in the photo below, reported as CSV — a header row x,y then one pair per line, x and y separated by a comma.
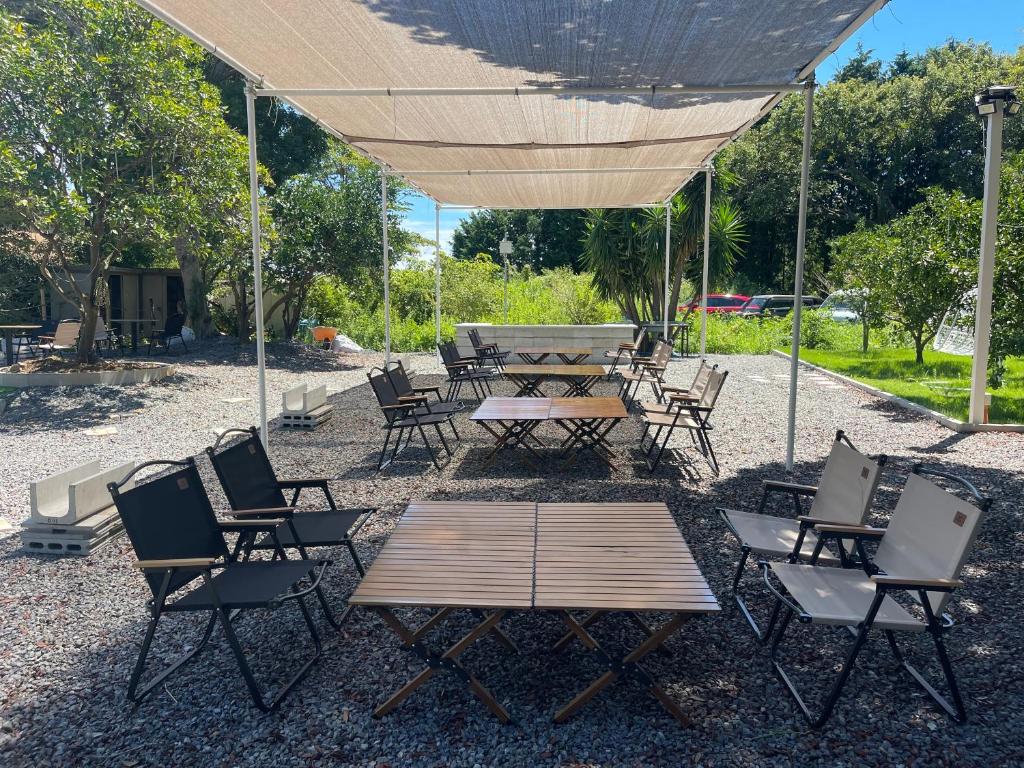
x,y
882,136
541,239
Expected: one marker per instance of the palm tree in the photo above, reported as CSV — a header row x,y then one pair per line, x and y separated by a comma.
x,y
624,249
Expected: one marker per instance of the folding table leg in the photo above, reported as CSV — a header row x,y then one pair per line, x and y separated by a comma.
x,y
446,661
627,666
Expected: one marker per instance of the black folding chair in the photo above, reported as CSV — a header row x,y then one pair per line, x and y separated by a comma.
x,y
172,330
188,566
250,485
463,371
403,387
487,353
400,413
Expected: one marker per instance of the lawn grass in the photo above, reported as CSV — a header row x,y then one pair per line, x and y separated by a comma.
x,y
940,383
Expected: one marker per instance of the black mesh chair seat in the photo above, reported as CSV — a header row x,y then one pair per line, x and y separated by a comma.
x,y
316,529
246,585
421,419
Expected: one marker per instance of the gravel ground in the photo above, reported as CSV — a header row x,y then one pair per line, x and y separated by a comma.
x,y
70,628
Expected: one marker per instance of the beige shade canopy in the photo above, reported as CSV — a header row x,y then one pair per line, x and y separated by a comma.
x,y
664,84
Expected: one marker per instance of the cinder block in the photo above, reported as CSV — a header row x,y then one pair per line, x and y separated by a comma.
x,y
48,497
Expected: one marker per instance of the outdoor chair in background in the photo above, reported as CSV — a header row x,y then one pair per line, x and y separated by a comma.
x,y
650,370
919,556
691,393
487,353
843,496
693,417
64,338
251,486
627,350
185,558
31,341
463,371
403,387
400,415
107,339
172,330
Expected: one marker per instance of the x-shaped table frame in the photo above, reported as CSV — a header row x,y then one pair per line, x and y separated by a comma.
x,y
529,384
537,359
624,666
513,433
588,435
448,660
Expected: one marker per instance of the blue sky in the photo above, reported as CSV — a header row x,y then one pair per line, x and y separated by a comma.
x,y
911,25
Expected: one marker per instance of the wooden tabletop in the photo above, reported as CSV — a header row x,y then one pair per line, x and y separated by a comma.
x,y
601,557
20,327
554,370
567,351
455,554
512,409
587,408
616,557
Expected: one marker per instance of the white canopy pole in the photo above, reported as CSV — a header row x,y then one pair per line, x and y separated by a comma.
x,y
437,279
257,272
707,254
387,265
986,262
668,249
798,270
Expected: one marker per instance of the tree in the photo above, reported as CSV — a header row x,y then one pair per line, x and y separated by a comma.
x,y
541,239
918,267
99,103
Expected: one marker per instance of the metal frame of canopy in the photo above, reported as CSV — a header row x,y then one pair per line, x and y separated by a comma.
x,y
803,81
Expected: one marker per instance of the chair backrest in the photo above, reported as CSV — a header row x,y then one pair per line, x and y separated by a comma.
x,y
449,352
66,334
848,484
930,533
716,379
662,354
399,378
245,472
101,330
169,517
645,343
700,379
474,337
174,324
384,392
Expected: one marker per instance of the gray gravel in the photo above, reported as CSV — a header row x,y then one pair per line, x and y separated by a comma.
x,y
70,628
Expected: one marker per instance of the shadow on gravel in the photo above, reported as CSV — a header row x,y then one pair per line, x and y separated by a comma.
x,y
63,408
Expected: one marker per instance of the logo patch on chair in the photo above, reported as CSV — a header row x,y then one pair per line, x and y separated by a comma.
x,y
864,473
183,483
960,518
252,449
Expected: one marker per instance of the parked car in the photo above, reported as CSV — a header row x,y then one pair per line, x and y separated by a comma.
x,y
844,306
775,304
719,302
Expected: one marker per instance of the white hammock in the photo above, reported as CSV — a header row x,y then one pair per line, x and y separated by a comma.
x,y
956,331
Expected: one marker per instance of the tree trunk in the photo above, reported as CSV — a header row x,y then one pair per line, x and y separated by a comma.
x,y
919,344
90,308
864,330
197,304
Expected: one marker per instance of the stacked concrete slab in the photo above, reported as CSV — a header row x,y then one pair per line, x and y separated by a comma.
x,y
72,512
305,408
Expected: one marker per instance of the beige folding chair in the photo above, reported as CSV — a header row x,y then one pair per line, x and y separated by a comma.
x,y
695,417
843,496
689,394
626,351
650,370
64,339
921,552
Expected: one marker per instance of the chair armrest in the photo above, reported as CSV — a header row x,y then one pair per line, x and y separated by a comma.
x,y
265,523
397,407
426,389
865,531
926,584
303,482
682,397
460,364
780,485
810,522
412,398
627,345
263,512
188,562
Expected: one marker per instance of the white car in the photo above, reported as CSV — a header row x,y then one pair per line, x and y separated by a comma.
x,y
844,306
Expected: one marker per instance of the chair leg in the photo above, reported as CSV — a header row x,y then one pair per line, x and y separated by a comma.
x,y
664,445
135,694
956,711
437,428
430,450
384,450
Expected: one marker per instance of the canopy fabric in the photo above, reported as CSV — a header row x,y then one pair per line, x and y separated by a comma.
x,y
643,146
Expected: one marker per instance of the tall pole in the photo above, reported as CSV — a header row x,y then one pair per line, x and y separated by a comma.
x,y
798,270
437,278
257,270
387,264
668,251
986,262
707,255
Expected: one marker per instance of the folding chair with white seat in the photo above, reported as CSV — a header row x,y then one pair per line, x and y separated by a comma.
x,y
843,496
921,552
64,338
690,394
650,370
626,350
695,417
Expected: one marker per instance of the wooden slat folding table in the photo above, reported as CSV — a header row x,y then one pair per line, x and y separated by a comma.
x,y
568,355
493,558
580,379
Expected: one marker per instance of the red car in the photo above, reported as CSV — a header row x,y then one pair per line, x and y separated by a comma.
x,y
720,302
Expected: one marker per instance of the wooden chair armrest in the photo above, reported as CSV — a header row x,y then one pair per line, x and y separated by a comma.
x,y
303,482
808,521
397,407
413,398
460,364
426,389
898,581
268,523
851,530
682,397
186,562
263,512
627,345
781,485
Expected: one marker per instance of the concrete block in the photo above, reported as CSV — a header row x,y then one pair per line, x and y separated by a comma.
x,y
89,496
299,400
48,497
